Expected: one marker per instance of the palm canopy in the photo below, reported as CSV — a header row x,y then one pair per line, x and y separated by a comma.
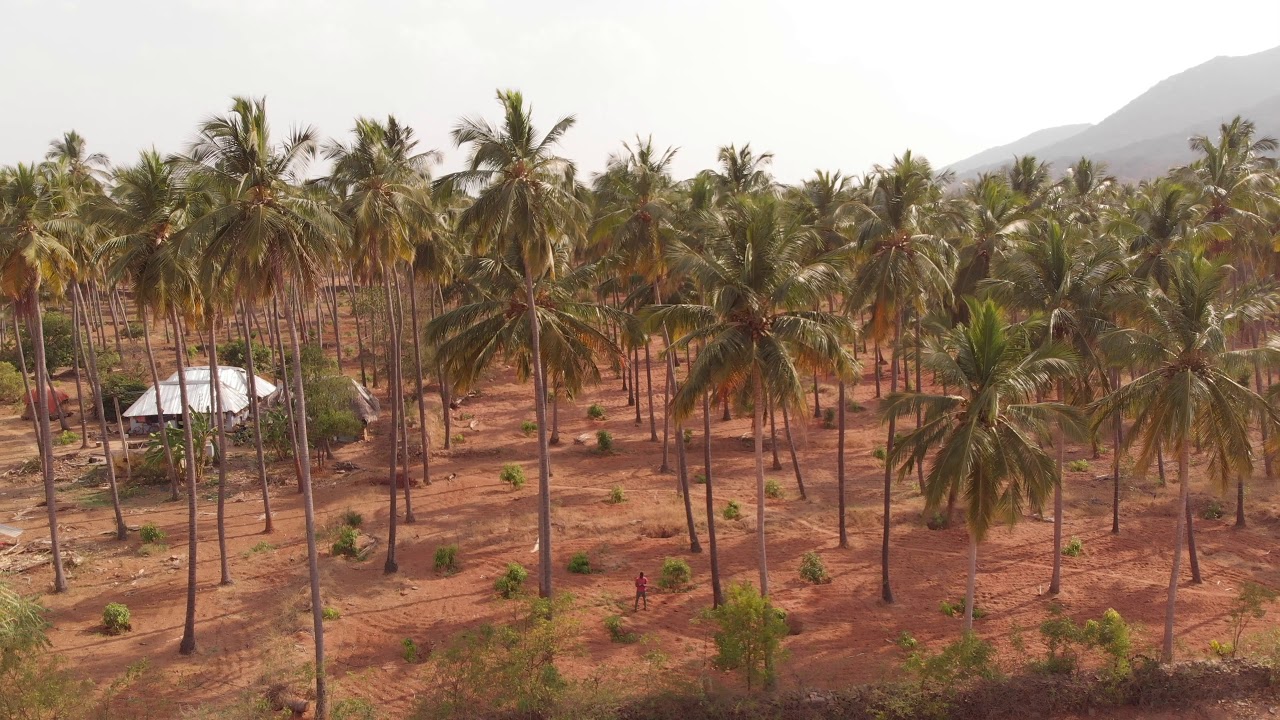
x,y
635,224
31,252
997,213
1191,392
757,271
742,172
1161,222
986,440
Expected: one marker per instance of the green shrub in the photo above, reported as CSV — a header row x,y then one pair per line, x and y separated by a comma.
x,y
617,634
700,478
1065,641
812,569
732,511
115,619
513,475
410,652
510,581
345,545
1078,466
595,411
122,387
331,613
616,495
676,574
1212,511
353,709
854,406
772,489
10,383
965,659
59,343
749,635
1248,605
446,560
352,518
528,427
66,437
580,564
879,453
459,438
604,441
956,609
151,534
688,436
1222,650
829,418
1074,548
233,354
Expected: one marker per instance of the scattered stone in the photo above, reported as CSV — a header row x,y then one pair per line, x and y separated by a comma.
x,y
583,439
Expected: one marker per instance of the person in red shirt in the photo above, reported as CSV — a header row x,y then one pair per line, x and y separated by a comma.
x,y
642,584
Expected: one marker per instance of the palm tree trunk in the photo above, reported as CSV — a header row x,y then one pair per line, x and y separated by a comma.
x,y
682,471
1184,483
219,419
36,330
77,355
308,506
422,395
364,375
331,297
648,373
124,442
404,423
817,402
115,324
1060,441
391,566
840,443
188,645
555,417
544,469
635,382
255,412
919,415
758,432
717,597
286,394
1115,461
155,380
875,362
972,585
445,400
1191,548
95,386
886,591
26,382
773,436
791,445
62,414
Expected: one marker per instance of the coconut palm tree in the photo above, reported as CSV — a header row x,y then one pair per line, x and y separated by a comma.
x,y
757,269
984,440
526,199
1190,392
742,172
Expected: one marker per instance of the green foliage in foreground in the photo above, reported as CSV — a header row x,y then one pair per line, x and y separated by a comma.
x,y
749,635
510,582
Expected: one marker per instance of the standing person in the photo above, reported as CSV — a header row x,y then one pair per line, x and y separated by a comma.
x,y
642,583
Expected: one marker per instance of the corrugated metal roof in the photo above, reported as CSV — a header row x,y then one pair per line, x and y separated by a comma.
x,y
234,384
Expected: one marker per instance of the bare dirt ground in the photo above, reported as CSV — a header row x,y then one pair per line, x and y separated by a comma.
x,y
261,623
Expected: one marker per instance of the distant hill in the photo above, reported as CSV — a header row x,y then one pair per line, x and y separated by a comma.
x,y
1149,134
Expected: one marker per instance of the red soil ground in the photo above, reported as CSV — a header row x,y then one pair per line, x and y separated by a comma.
x,y
260,624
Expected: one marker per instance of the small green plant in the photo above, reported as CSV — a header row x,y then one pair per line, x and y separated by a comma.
x,y
352,518
262,547
1065,640
1078,466
750,635
513,475
1248,605
732,511
510,581
410,652
879,453
906,640
1212,511
1074,548
700,478
354,709
459,438
151,534
965,659
528,427
446,559
1222,649
812,569
617,633
66,437
772,489
595,411
331,613
580,564
616,495
854,406
115,619
604,441
688,436
345,545
956,609
676,574
829,418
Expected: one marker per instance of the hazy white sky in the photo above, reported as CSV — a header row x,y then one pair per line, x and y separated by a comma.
x,y
835,85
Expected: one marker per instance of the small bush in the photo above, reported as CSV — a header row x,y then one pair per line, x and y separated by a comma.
x,y
829,418
676,574
604,441
617,633
345,545
115,619
732,511
1222,649
772,489
595,411
688,436
580,564
510,581
410,652
66,437
956,609
262,547
331,613
1074,548
1212,511
1078,466
528,427
513,475
446,560
151,534
967,658
879,453
1248,605
459,438
353,709
10,383
854,406
616,495
352,518
812,569
700,478
750,634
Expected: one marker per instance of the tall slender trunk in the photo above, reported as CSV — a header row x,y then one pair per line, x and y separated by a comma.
x,y
124,442
1184,483
1191,548
445,399
95,387
364,375
540,409
308,506
635,383
682,471
717,597
255,412
115,324
26,383
77,360
971,587
219,419
555,418
817,402
404,423
155,380
1060,442
840,443
331,297
668,388
791,445
919,411
422,395
886,591
1117,441
36,331
875,363
757,384
648,373
391,566
188,645
773,435
287,394
62,414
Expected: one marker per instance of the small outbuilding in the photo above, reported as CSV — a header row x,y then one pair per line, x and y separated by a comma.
x,y
233,383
